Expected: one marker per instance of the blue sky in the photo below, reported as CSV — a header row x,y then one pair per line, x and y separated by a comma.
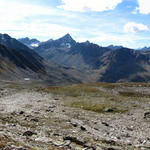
x,y
105,22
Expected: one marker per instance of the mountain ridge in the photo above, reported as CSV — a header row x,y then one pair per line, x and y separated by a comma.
x,y
90,62
31,43
106,64
27,63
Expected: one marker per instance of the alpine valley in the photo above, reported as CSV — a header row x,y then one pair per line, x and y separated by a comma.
x,y
90,62
65,61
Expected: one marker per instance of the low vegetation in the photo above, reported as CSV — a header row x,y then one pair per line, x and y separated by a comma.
x,y
99,108
99,97
74,90
133,94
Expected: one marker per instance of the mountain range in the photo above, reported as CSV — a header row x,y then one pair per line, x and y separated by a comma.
x,y
31,43
17,62
101,64
145,48
65,61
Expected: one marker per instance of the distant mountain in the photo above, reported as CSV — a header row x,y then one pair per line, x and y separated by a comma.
x,y
145,49
64,43
113,47
35,62
31,43
124,65
14,65
17,61
102,64
66,51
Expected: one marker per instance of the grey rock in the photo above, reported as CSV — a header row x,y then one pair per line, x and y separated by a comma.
x,y
147,115
58,143
106,124
83,128
21,112
35,120
108,110
29,133
74,124
42,139
52,106
75,140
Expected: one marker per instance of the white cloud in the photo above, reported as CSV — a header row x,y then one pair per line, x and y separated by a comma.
x,y
144,6
43,31
22,19
93,5
12,10
132,27
108,39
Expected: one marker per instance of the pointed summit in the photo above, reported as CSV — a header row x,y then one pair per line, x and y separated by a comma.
x,y
67,36
67,39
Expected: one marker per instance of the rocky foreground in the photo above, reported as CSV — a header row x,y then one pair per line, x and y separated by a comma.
x,y
37,119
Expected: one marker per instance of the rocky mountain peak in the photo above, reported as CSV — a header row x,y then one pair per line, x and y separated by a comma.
x,y
67,36
4,37
66,39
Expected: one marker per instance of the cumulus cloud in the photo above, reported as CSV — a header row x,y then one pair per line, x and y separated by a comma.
x,y
144,7
93,5
132,27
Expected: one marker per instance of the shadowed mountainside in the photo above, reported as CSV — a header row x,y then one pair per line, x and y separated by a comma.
x,y
18,62
104,63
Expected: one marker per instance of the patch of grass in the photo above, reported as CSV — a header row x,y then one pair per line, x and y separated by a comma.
x,y
133,94
74,90
115,85
105,85
99,108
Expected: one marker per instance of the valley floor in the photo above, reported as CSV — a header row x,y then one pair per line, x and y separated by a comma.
x,y
79,117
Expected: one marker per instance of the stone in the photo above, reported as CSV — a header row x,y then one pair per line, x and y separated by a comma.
x,y
58,143
21,112
52,106
83,128
29,133
75,140
35,120
106,124
42,139
108,110
74,124
147,115
67,142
